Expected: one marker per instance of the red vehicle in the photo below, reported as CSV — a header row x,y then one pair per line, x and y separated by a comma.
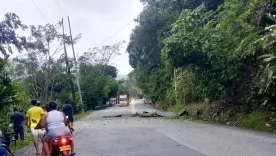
x,y
123,99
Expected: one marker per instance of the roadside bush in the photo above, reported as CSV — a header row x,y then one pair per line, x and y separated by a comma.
x,y
256,120
176,108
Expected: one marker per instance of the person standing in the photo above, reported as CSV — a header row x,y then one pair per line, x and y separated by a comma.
x,y
68,112
34,115
17,119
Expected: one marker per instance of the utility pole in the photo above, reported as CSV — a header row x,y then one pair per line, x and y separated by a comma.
x,y
76,65
175,84
67,64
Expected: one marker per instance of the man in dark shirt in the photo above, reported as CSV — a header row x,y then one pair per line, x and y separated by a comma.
x,y
17,119
68,111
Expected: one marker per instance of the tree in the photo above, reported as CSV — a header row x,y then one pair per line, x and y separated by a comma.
x,y
214,46
103,55
96,86
108,70
9,39
146,42
39,69
97,75
8,36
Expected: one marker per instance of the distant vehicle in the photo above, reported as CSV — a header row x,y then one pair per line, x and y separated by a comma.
x,y
107,104
112,101
123,99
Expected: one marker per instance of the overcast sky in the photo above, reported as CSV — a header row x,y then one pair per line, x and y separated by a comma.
x,y
97,20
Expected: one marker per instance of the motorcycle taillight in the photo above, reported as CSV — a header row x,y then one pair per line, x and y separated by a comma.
x,y
64,141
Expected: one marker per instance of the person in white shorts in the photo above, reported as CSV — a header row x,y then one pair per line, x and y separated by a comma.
x,y
34,115
37,133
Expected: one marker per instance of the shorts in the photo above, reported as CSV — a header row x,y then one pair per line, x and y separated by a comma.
x,y
56,133
37,133
70,119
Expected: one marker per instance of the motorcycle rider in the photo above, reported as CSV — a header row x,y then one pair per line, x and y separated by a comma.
x,y
68,111
55,122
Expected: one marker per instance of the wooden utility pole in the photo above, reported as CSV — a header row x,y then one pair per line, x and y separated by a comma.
x,y
67,64
76,66
175,83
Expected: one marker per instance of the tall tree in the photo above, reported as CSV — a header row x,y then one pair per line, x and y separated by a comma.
x,y
8,36
41,70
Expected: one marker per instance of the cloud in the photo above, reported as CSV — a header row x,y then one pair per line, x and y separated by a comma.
x,y
97,20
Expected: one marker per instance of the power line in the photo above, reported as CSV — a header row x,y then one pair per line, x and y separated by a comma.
x,y
40,11
59,7
116,33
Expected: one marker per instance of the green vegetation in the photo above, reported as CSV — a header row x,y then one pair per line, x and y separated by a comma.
x,y
176,108
81,115
39,70
187,52
28,140
258,119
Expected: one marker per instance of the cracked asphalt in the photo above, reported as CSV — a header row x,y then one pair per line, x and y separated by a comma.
x,y
103,134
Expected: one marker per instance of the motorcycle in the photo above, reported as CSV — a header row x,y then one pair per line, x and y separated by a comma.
x,y
61,146
7,138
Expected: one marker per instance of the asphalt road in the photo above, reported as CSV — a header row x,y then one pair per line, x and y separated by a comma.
x,y
103,134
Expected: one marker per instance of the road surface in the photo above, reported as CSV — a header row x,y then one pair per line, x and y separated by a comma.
x,y
104,133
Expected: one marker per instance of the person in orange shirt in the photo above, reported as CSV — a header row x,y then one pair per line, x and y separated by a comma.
x,y
33,117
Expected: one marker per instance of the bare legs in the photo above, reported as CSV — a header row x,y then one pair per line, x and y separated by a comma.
x,y
36,144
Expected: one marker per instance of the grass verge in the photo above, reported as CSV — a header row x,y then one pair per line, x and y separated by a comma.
x,y
28,140
263,120
258,120
81,115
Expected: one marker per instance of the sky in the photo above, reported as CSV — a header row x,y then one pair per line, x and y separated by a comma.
x,y
96,20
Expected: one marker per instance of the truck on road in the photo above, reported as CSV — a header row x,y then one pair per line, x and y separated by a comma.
x,y
123,99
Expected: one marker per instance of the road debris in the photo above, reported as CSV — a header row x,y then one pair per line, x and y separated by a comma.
x,y
183,112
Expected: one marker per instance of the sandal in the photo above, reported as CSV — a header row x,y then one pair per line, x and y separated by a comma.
x,y
37,154
73,153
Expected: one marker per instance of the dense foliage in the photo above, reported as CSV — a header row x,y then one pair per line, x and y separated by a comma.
x,y
220,50
9,92
97,85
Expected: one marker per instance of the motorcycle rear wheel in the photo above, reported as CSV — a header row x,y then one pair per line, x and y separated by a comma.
x,y
55,152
